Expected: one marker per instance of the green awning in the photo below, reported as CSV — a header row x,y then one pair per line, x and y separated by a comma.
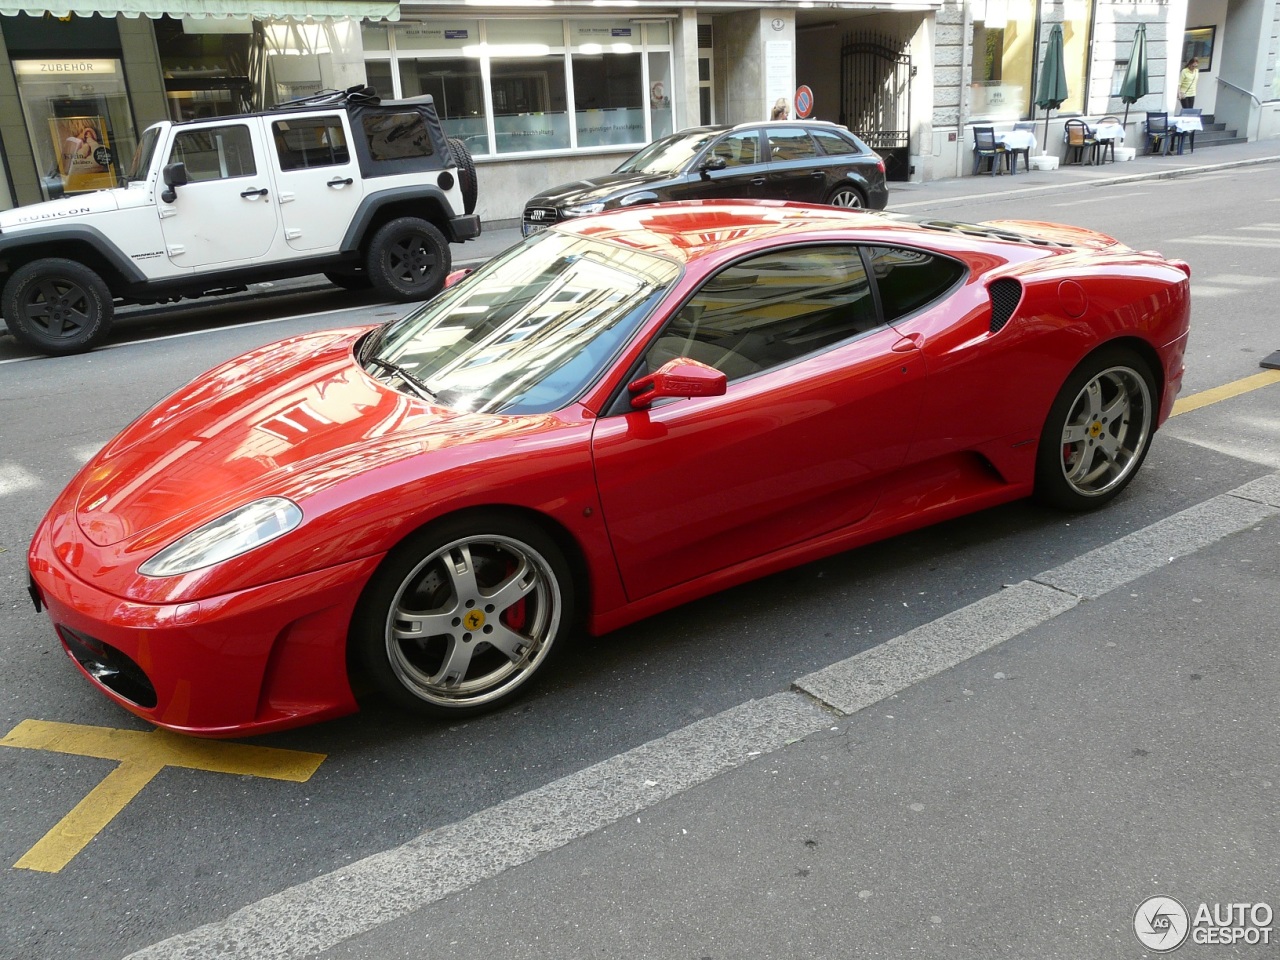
x,y
217,9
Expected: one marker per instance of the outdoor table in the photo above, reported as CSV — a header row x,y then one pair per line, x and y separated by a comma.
x,y
1016,142
1186,126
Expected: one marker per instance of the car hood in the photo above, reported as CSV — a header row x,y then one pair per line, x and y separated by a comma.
x,y
62,209
291,419
598,188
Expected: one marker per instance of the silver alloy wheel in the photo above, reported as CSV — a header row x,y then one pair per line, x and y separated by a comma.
x,y
1106,431
847,197
473,621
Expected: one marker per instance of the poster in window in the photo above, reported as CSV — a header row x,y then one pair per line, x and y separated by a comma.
x,y
1198,42
84,153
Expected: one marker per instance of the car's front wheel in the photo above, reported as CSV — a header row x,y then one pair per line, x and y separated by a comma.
x,y
461,616
408,259
847,196
57,306
1098,431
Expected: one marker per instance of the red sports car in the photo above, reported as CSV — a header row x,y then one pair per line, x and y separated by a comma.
x,y
616,416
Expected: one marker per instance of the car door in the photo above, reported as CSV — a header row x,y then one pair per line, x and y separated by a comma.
x,y
741,178
318,178
818,410
797,171
225,214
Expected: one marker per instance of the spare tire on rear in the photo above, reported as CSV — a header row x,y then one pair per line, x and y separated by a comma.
x,y
466,174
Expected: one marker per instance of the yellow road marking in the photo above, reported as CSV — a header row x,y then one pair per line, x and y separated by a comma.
x,y
141,756
1225,392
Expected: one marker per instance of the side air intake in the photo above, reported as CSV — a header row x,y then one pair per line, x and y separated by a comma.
x,y
1005,294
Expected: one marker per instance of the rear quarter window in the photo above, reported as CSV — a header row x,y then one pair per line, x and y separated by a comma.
x,y
911,279
834,145
397,136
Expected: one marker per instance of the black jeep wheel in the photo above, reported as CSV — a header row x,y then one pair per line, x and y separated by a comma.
x,y
408,260
466,175
57,306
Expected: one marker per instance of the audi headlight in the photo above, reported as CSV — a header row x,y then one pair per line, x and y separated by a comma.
x,y
229,536
582,209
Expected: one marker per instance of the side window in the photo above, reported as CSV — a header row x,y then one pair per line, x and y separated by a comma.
x,y
834,145
215,153
395,136
770,310
910,279
790,143
310,142
738,149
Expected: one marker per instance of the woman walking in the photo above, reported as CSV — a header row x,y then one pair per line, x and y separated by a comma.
x,y
1187,80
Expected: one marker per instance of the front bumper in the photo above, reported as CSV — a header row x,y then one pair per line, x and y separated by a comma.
x,y
258,660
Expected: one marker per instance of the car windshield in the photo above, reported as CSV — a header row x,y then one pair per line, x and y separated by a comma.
x,y
529,331
668,155
140,165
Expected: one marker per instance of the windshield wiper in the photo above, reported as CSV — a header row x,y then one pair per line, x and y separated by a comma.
x,y
420,388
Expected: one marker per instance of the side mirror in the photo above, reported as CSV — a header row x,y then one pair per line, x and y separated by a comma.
x,y
712,163
175,175
680,377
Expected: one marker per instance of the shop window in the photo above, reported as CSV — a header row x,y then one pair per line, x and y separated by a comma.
x,y
78,119
206,66
1004,56
529,104
457,88
609,98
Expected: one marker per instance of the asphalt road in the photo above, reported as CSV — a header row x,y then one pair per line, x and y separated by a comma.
x,y
192,846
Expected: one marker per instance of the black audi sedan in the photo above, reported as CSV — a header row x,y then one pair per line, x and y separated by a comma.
x,y
806,161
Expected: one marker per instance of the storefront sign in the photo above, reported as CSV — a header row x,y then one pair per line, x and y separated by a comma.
x,y
64,68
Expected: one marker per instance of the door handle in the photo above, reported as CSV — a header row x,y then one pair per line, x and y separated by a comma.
x,y
341,183
757,181
250,194
908,343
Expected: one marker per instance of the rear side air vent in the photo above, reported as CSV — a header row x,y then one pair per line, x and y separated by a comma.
x,y
1005,294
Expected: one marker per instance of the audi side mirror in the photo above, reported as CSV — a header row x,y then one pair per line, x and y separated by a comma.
x,y
681,378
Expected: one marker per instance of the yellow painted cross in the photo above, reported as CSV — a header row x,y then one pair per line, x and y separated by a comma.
x,y
141,756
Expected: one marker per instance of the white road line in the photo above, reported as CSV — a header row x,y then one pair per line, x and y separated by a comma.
x,y
1220,241
319,913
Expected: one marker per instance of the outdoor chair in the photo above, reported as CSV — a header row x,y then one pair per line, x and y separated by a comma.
x,y
986,148
1189,134
1107,146
1079,142
1158,133
1025,126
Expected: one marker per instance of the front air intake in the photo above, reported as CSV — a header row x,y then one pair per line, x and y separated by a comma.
x,y
1005,294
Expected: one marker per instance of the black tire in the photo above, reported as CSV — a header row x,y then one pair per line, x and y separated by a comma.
x,y
466,175
847,196
1098,431
488,595
408,259
355,279
57,306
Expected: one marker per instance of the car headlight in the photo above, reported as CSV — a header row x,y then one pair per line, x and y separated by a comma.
x,y
582,209
230,535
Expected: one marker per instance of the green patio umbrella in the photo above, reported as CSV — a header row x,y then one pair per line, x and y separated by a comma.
x,y
1135,85
1052,89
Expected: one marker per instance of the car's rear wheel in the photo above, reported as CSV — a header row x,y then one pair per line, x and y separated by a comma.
x,y
57,306
847,196
464,614
1098,431
354,279
408,259
466,175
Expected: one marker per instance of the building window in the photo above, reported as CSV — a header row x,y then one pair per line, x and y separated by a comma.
x,y
1003,58
513,86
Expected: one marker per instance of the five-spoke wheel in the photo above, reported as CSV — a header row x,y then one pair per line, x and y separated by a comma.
x,y
57,306
849,197
1098,431
408,259
463,615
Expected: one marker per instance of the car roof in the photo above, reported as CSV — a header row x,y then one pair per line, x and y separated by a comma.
x,y
726,127
689,230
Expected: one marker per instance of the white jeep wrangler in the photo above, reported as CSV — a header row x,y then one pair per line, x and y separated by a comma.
x,y
367,192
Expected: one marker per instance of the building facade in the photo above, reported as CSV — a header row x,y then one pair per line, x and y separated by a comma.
x,y
547,91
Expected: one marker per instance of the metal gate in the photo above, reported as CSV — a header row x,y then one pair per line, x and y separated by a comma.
x,y
875,97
